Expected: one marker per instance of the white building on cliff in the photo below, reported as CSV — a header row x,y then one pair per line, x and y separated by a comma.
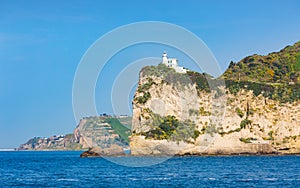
x,y
172,63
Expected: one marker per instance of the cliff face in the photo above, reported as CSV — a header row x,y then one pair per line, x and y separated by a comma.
x,y
176,114
165,99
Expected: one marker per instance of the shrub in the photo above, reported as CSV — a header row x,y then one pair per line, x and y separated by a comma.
x,y
239,112
268,138
270,134
244,123
200,80
247,140
170,128
196,134
222,133
146,86
203,112
144,98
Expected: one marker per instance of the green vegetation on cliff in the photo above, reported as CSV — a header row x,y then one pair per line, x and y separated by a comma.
x,y
144,89
276,75
170,128
279,92
200,79
277,67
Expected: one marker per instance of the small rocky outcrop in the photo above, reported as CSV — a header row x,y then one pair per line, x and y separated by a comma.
x,y
113,150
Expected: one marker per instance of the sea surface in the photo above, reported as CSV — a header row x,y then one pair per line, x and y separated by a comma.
x,y
67,169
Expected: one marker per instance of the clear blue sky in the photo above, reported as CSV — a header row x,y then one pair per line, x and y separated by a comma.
x,y
42,42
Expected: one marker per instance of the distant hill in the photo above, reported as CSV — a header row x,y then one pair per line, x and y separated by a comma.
x,y
105,130
55,142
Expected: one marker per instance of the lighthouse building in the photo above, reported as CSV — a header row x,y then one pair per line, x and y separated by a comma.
x,y
172,63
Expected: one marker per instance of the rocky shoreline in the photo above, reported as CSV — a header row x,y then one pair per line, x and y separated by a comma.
x,y
92,153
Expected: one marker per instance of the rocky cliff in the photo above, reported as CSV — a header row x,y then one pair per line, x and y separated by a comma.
x,y
247,110
55,142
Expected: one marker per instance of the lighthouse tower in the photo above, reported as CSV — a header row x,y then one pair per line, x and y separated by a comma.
x,y
165,58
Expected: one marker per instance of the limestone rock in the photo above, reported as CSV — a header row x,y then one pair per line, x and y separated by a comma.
x,y
114,150
244,124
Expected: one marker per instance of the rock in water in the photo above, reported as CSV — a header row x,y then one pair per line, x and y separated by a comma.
x,y
114,150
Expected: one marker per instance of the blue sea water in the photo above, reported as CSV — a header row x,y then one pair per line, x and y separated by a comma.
x,y
67,169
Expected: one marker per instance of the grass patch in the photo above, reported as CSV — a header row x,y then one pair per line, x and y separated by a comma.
x,y
118,127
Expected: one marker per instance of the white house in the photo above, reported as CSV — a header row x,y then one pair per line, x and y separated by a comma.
x,y
172,63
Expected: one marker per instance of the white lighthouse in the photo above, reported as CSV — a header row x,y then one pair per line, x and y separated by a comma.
x,y
165,58
172,63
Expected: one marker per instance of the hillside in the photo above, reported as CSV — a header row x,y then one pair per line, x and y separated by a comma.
x,y
278,67
275,76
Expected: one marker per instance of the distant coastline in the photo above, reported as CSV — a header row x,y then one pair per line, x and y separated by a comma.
x,y
8,149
